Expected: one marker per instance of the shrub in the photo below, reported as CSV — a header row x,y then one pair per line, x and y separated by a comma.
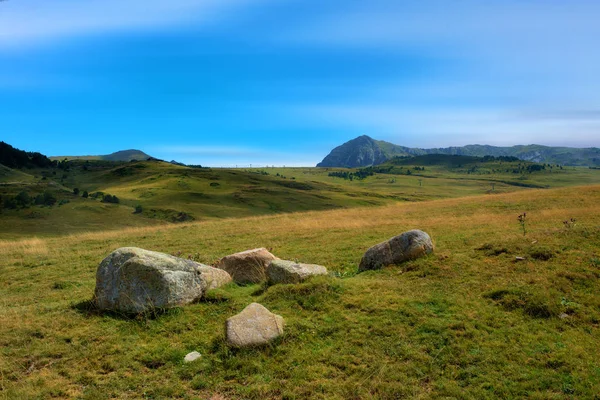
x,y
45,199
138,209
76,191
23,199
85,194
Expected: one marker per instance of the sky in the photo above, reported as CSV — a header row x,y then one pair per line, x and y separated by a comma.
x,y
275,82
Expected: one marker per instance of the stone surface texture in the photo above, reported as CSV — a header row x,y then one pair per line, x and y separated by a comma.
x,y
135,280
407,246
284,271
248,266
254,326
214,277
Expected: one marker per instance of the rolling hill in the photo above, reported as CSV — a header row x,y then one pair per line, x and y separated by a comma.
x,y
365,151
91,195
123,155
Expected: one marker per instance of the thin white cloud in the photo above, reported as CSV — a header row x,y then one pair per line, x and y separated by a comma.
x,y
440,127
26,22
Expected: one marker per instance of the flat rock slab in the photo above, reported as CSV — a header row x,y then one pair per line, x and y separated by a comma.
x,y
254,326
247,266
284,271
407,246
134,280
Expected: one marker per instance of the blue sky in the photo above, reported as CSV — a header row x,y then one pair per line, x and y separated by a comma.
x,y
272,82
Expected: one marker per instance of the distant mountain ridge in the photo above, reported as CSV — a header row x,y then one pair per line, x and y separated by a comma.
x,y
123,155
364,151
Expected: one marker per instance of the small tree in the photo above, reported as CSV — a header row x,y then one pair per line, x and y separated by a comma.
x,y
23,199
49,199
85,194
138,209
76,191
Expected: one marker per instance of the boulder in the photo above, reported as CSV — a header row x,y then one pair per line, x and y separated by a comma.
x,y
283,271
407,246
248,266
133,280
214,277
254,326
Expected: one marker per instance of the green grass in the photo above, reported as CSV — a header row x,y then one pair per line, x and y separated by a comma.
x,y
171,193
468,321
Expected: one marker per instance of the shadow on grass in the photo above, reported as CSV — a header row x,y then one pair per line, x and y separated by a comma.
x,y
88,308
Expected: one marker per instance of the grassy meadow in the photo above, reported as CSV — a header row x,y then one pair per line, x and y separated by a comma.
x,y
469,321
170,193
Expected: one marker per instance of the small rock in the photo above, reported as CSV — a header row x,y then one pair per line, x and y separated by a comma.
x,y
254,326
247,266
407,246
193,356
519,259
284,271
563,316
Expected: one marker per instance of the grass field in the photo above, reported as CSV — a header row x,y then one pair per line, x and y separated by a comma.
x,y
466,322
171,193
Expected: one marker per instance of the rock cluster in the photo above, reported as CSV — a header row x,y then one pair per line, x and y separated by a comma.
x,y
134,280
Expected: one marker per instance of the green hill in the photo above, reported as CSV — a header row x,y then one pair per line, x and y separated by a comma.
x,y
50,201
123,155
365,151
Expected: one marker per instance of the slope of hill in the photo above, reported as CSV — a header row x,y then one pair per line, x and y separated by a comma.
x,y
15,158
467,322
364,151
89,195
123,155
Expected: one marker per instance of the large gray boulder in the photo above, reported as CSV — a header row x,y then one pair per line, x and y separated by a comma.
x,y
133,280
284,271
247,266
254,326
407,246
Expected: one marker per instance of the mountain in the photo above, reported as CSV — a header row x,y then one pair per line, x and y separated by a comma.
x,y
123,155
361,152
365,151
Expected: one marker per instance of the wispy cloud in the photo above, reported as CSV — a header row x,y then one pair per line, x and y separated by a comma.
x,y
439,127
26,22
